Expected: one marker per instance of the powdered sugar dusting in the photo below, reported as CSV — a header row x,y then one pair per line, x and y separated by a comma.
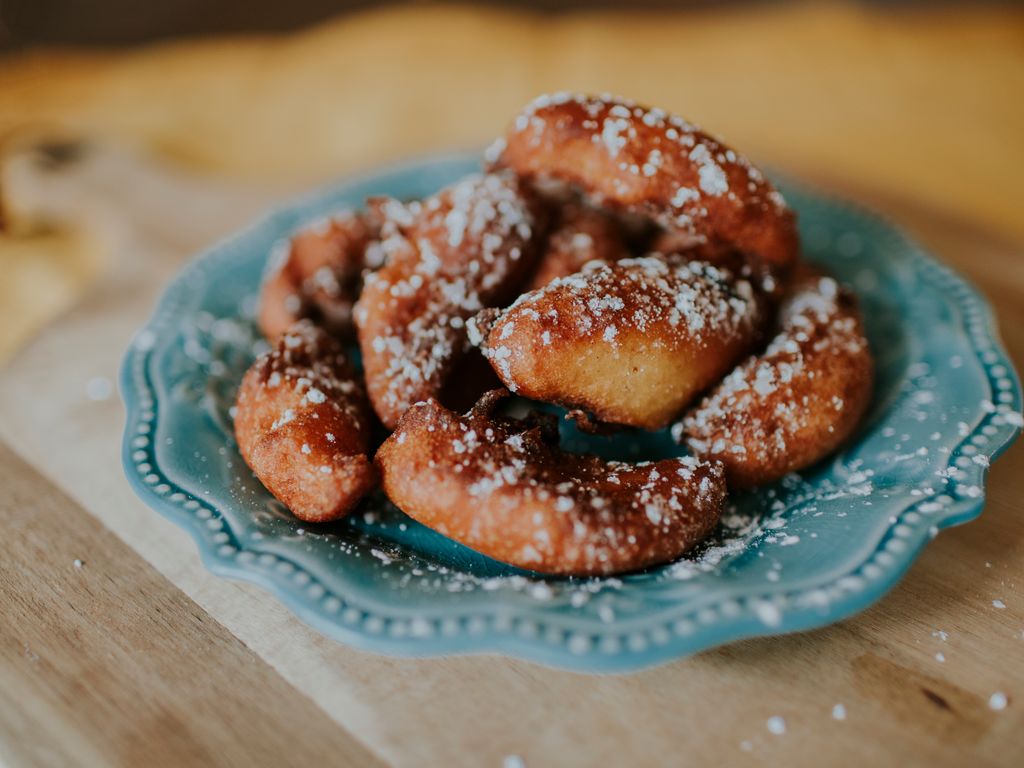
x,y
456,254
538,507
649,161
772,407
691,301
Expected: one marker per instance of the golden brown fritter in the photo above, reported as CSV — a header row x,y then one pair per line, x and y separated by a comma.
x,y
302,422
581,234
502,487
649,162
795,403
631,343
468,247
317,276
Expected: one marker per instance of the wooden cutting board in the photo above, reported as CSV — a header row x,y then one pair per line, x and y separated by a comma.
x,y
117,646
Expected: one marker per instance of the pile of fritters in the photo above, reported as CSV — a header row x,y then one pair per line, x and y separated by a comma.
x,y
611,259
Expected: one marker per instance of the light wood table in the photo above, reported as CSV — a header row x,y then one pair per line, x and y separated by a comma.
x,y
117,647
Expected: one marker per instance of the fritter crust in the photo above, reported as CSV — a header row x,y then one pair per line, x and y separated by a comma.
x,y
502,487
302,422
468,247
318,276
581,234
649,162
792,405
631,342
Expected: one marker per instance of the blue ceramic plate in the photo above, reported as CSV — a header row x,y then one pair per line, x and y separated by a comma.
x,y
810,551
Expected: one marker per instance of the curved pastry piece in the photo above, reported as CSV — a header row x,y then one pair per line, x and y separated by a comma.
x,y
785,409
581,234
649,162
502,487
317,276
302,423
631,343
468,247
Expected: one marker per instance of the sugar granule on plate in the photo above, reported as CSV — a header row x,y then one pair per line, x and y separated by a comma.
x,y
768,613
99,388
997,701
776,725
838,712
998,604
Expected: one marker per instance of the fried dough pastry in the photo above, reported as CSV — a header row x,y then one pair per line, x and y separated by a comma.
x,y
302,423
795,403
631,342
581,234
468,247
502,487
317,276
649,162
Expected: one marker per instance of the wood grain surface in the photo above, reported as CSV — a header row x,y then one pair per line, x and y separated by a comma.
x,y
100,648
141,656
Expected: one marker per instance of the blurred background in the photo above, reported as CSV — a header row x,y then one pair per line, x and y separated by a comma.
x,y
169,124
